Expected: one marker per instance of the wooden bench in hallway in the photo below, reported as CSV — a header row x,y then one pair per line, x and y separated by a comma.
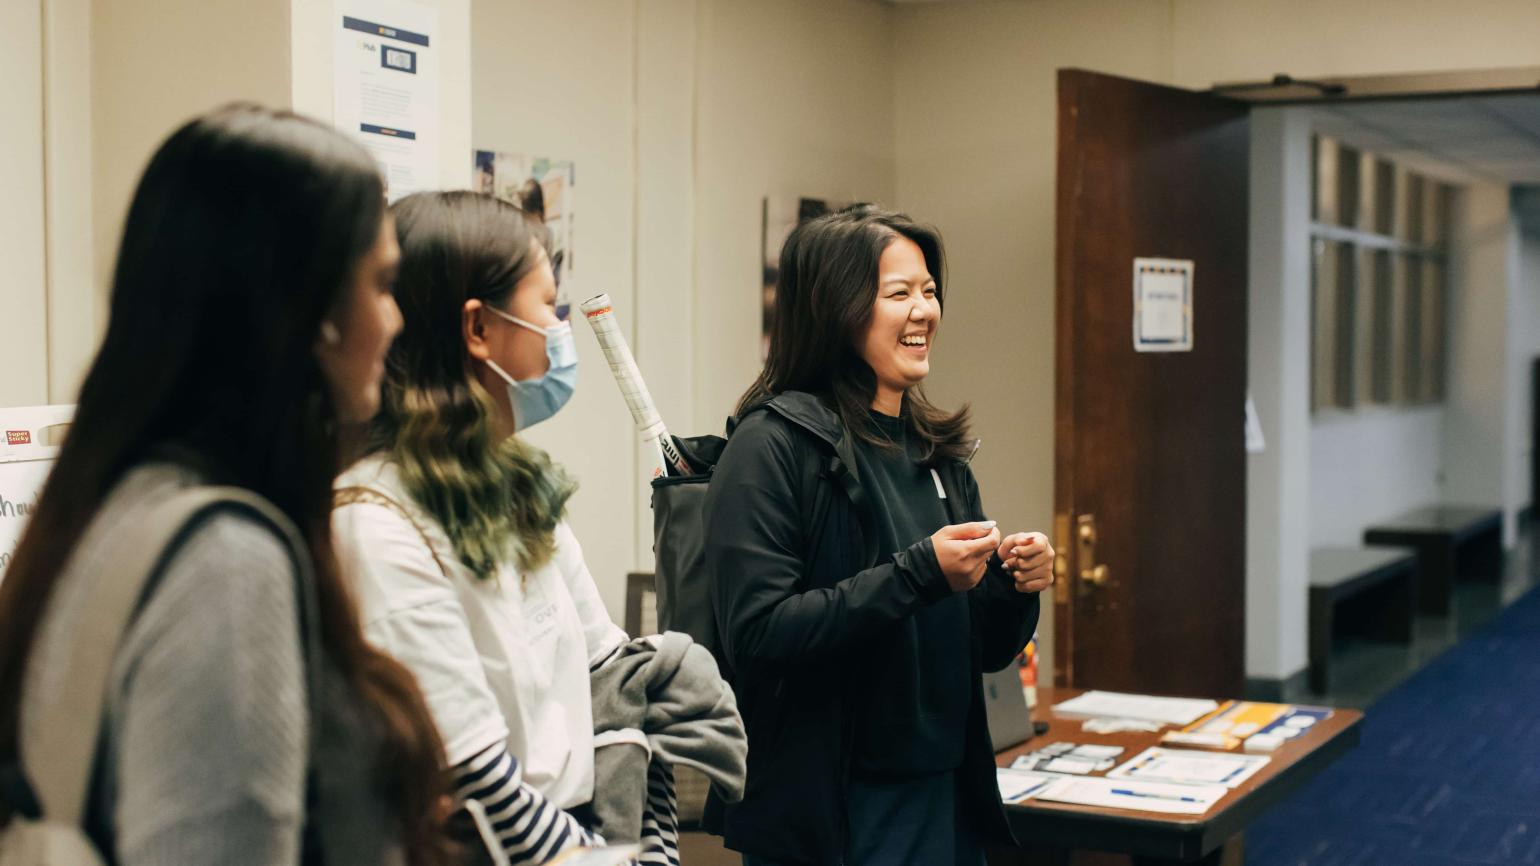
x,y
1379,588
1451,541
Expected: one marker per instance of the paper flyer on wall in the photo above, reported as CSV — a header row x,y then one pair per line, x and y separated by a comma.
x,y
20,484
387,88
1163,305
32,435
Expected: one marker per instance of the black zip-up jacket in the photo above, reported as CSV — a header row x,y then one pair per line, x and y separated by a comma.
x,y
798,590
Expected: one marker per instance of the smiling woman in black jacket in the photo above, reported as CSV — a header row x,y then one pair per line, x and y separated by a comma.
x,y
859,590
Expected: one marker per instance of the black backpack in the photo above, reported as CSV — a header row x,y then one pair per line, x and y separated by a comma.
x,y
682,586
678,532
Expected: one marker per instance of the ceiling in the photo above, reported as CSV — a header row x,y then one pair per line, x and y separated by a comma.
x,y
1484,138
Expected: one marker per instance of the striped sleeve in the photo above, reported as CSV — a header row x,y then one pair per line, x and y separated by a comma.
x,y
531,828
660,818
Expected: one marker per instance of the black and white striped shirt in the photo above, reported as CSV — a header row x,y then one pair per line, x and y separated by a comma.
x,y
531,828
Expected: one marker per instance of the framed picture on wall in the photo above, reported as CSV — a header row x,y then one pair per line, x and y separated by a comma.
x,y
782,213
544,188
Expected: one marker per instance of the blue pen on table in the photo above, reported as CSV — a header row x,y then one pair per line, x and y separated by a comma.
x,y
1129,793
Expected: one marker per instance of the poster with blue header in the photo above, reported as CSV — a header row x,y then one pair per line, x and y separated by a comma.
x,y
386,80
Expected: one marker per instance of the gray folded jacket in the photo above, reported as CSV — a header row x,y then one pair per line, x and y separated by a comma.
x,y
667,689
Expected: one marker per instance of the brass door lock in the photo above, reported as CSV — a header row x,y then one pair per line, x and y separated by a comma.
x,y
1092,574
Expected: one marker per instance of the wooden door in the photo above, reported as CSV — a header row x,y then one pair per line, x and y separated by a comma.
x,y
1150,462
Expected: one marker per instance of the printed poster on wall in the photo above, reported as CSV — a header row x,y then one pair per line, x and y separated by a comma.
x,y
782,213
547,190
1162,305
387,88
20,483
27,453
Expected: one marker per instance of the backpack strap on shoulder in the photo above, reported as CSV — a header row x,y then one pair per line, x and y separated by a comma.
x,y
59,756
842,468
370,496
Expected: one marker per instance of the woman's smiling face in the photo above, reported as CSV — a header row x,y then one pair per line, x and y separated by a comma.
x,y
905,317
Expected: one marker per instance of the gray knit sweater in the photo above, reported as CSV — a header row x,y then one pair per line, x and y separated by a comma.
x,y
207,730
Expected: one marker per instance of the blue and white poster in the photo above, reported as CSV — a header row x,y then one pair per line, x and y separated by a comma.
x,y
387,88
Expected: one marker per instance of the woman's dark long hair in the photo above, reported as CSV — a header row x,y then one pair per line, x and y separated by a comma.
x,y
823,307
498,501
243,235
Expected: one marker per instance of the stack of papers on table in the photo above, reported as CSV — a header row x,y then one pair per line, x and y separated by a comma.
x,y
1297,721
1105,725
1130,794
1190,767
1170,711
1017,785
1241,719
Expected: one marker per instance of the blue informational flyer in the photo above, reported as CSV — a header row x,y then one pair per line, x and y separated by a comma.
x,y
1296,721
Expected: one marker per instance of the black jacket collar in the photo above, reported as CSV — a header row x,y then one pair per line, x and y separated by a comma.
x,y
807,411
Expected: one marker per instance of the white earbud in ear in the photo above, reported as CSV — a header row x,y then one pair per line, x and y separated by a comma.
x,y
329,334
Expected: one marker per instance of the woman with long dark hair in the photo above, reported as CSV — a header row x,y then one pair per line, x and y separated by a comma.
x,y
251,309
859,590
467,570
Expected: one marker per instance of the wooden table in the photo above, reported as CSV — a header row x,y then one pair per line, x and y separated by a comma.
x,y
1053,832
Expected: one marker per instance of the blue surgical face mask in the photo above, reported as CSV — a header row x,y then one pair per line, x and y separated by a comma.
x,y
535,400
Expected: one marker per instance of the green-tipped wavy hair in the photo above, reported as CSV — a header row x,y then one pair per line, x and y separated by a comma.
x,y
498,501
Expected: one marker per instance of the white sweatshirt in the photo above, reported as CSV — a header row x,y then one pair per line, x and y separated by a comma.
x,y
499,660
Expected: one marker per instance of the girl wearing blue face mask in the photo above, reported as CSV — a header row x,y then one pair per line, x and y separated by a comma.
x,y
453,527
536,399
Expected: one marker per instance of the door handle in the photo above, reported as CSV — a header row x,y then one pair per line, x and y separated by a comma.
x,y
1092,573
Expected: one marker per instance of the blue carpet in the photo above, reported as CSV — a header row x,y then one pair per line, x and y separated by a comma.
x,y
1447,771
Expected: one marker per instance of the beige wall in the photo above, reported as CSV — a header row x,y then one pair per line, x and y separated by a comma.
x,y
1247,40
24,323
681,115
49,315
557,80
76,307
150,73
795,98
664,322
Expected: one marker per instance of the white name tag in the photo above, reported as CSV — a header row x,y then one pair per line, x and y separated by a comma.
x,y
940,491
